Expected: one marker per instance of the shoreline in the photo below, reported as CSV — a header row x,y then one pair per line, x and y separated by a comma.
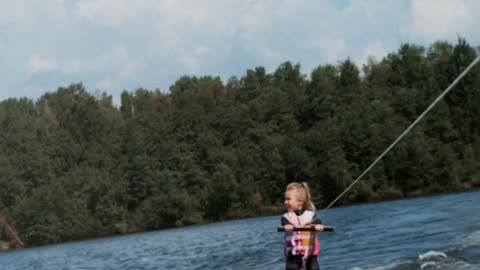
x,y
264,215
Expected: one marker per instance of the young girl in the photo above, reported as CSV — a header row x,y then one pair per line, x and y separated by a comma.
x,y
301,247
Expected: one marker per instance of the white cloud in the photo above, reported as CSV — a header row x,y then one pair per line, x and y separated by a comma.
x,y
119,44
271,55
375,49
257,17
112,58
105,84
25,12
110,12
333,48
39,63
13,12
440,19
288,7
73,66
173,13
115,61
53,9
128,69
201,50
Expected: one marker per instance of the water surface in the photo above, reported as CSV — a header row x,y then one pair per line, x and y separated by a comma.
x,y
441,232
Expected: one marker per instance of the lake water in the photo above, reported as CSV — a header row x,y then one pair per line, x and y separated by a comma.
x,y
441,232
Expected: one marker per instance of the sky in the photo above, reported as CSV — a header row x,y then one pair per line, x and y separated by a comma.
x,y
116,45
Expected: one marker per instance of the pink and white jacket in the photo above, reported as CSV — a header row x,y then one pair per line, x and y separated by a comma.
x,y
301,244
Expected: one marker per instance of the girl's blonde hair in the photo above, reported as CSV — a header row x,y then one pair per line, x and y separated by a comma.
x,y
303,192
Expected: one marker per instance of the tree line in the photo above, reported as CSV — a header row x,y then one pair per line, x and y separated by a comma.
x,y
74,165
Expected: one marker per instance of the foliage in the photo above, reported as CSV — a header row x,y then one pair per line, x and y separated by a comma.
x,y
73,165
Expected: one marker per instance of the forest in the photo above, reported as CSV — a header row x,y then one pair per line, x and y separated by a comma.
x,y
75,165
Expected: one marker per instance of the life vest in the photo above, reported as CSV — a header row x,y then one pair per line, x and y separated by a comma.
x,y
301,244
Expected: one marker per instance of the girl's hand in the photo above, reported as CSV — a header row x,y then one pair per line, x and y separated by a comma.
x,y
288,228
319,228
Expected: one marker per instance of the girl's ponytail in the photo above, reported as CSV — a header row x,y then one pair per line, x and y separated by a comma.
x,y
308,204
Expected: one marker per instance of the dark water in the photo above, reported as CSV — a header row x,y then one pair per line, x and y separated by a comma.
x,y
441,232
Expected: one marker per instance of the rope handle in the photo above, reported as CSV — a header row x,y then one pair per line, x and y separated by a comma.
x,y
307,229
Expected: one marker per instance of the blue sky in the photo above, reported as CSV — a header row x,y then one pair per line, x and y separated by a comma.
x,y
116,45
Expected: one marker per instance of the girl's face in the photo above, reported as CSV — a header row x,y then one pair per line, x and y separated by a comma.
x,y
292,201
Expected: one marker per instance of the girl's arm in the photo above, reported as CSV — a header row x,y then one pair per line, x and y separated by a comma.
x,y
287,225
318,223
